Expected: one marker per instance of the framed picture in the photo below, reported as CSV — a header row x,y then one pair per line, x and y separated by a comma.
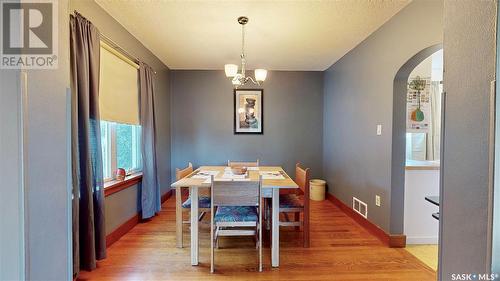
x,y
248,111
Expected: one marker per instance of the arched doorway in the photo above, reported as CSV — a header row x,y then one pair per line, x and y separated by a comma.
x,y
415,153
399,136
407,132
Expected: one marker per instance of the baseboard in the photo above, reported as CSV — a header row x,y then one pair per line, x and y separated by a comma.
x,y
167,195
420,240
125,227
391,240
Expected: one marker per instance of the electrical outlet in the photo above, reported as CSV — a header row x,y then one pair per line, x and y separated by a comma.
x,y
379,130
377,200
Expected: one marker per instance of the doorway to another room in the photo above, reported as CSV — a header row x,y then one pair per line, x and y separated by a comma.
x,y
422,169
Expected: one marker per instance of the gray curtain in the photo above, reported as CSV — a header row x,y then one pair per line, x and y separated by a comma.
x,y
150,191
89,237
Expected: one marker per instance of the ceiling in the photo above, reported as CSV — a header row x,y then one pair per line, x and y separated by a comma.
x,y
280,35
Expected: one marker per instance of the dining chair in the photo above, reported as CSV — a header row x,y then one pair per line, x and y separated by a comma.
x,y
181,207
239,213
297,203
242,164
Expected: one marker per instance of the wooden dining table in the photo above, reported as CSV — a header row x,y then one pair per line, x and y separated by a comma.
x,y
270,189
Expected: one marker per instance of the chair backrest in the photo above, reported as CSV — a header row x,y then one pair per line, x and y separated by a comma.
x,y
242,164
179,174
236,193
302,179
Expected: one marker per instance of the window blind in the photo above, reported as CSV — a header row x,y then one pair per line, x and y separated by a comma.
x,y
118,87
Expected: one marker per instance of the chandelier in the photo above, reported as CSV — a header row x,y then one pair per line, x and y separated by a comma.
x,y
240,79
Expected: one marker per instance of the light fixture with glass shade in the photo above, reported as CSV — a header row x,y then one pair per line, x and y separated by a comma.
x,y
231,70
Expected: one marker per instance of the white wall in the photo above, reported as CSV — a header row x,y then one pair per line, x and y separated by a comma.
x,y
420,227
431,67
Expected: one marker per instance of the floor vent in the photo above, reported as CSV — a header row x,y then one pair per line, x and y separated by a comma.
x,y
360,207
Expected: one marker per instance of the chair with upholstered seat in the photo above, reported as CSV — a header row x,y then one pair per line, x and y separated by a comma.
x,y
181,207
238,213
297,203
242,163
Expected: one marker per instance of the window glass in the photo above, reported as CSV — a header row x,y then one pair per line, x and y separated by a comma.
x,y
106,150
124,146
121,148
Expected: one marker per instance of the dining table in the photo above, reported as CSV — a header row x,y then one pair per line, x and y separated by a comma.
x,y
274,178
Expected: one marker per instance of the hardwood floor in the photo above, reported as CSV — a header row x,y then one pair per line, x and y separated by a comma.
x,y
340,250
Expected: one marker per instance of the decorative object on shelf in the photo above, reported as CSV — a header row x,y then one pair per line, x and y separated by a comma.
x,y
417,85
239,170
240,79
248,111
120,174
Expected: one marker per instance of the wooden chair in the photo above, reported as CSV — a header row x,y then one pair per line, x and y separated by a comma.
x,y
297,203
239,213
242,164
181,207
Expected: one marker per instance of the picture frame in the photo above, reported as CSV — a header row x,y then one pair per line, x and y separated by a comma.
x,y
248,111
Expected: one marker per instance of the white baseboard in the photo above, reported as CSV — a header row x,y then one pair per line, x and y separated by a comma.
x,y
416,240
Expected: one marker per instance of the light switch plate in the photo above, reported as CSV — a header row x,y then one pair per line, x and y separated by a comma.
x,y
377,200
379,130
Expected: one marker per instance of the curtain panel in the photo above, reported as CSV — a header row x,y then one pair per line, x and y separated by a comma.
x,y
150,190
89,237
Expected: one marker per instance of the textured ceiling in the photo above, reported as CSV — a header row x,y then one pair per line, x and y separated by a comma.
x,y
281,35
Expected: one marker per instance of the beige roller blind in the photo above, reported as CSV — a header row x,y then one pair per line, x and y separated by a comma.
x,y
118,87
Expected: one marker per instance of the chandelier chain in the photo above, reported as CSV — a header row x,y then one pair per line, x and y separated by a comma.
x,y
243,40
243,59
239,79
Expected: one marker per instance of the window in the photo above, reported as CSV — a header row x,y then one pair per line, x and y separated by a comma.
x,y
121,148
119,112
416,146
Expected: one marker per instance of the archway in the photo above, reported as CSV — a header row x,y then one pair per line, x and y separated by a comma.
x,y
399,137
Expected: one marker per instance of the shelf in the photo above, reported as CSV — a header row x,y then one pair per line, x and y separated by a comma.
x,y
433,199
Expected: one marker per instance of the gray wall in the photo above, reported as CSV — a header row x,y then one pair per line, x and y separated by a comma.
x,y
469,62
11,189
496,214
202,121
47,182
358,95
121,207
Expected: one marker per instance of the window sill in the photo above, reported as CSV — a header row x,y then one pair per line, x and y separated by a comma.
x,y
115,186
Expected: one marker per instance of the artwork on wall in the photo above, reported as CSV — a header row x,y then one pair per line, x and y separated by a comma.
x,y
248,111
418,106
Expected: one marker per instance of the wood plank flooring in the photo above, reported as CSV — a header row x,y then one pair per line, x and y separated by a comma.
x,y
340,250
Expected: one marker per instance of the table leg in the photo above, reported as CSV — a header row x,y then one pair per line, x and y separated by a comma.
x,y
275,242
178,217
194,226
